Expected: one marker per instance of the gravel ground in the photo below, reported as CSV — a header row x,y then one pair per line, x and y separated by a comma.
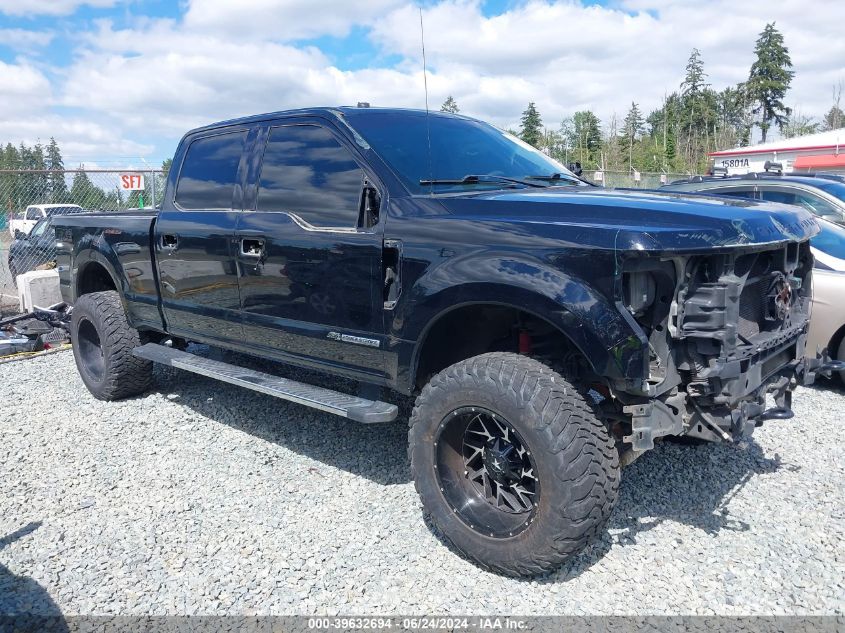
x,y
208,499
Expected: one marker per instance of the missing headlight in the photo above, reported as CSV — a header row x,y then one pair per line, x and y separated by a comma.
x,y
638,291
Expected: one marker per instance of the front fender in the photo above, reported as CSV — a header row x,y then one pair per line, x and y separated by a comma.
x,y
612,344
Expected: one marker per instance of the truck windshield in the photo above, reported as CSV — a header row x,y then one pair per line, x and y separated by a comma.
x,y
459,147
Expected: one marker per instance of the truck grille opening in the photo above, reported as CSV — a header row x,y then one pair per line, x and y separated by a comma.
x,y
752,309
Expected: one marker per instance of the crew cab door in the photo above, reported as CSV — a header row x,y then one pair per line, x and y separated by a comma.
x,y
194,238
309,260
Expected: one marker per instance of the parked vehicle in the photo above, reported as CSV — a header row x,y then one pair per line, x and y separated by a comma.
x,y
29,251
28,219
827,326
549,329
822,194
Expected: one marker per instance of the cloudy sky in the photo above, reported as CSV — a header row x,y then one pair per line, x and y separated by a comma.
x,y
118,81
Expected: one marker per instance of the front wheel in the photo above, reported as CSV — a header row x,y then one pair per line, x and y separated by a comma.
x,y
103,342
511,464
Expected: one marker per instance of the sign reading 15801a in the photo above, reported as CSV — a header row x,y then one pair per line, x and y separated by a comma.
x,y
132,182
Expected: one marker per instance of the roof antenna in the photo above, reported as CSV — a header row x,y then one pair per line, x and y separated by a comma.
x,y
427,124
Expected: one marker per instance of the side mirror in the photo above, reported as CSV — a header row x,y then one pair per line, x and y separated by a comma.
x,y
19,235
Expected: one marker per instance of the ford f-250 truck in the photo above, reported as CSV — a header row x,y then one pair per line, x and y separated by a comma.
x,y
550,330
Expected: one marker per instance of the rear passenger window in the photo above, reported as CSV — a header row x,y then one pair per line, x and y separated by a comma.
x,y
737,193
307,172
810,202
209,172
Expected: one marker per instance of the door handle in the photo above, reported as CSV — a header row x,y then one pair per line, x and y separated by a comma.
x,y
169,242
251,247
391,258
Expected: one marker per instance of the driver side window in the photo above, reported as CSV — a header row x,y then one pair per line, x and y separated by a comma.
x,y
32,213
39,229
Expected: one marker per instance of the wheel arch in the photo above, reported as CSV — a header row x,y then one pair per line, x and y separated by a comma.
x,y
591,326
95,275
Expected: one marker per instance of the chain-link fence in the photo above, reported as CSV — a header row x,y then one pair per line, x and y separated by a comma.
x,y
30,199
630,179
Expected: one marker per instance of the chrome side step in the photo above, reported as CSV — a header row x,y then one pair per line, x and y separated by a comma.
x,y
344,405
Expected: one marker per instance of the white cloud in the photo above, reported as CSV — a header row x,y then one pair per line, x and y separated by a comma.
x,y
566,56
282,21
31,8
24,89
160,77
25,40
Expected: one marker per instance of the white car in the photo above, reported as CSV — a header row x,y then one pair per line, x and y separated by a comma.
x,y
24,222
827,325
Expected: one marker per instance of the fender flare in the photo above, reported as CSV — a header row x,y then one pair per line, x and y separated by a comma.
x,y
90,252
595,325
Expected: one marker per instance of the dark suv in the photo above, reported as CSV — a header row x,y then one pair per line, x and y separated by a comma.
x,y
821,194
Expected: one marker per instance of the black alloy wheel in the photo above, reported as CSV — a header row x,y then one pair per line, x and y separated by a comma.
x,y
486,472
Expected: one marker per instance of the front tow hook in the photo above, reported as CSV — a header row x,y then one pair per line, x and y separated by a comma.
x,y
831,366
781,411
776,413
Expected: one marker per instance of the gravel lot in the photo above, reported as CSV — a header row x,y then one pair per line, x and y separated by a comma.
x,y
207,499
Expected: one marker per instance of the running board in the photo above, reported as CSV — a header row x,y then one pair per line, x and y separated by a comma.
x,y
344,405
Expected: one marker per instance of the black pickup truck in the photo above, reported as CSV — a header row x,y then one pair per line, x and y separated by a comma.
x,y
549,329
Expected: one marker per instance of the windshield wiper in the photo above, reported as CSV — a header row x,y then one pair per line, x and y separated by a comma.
x,y
558,177
475,179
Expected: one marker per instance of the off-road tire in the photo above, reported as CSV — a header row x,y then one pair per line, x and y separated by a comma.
x,y
98,322
575,457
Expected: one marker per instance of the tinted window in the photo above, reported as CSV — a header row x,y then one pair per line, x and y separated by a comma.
x,y
39,228
309,173
734,193
459,147
209,172
33,213
810,202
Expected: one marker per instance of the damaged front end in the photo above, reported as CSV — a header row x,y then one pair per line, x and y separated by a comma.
x,y
723,331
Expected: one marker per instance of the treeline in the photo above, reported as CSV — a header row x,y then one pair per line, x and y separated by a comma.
x,y
692,121
36,178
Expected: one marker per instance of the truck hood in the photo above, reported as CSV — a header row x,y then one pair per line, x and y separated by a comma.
x,y
639,220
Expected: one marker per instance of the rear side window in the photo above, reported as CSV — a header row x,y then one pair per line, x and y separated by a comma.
x,y
812,203
210,171
736,193
307,172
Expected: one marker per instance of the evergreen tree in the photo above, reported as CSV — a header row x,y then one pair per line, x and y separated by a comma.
x,y
834,119
694,79
531,128
9,182
57,183
450,105
84,193
40,184
632,128
769,80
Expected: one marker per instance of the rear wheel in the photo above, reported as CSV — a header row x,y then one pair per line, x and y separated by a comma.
x,y
103,342
511,464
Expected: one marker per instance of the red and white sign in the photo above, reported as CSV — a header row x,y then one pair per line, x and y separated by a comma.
x,y
132,182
